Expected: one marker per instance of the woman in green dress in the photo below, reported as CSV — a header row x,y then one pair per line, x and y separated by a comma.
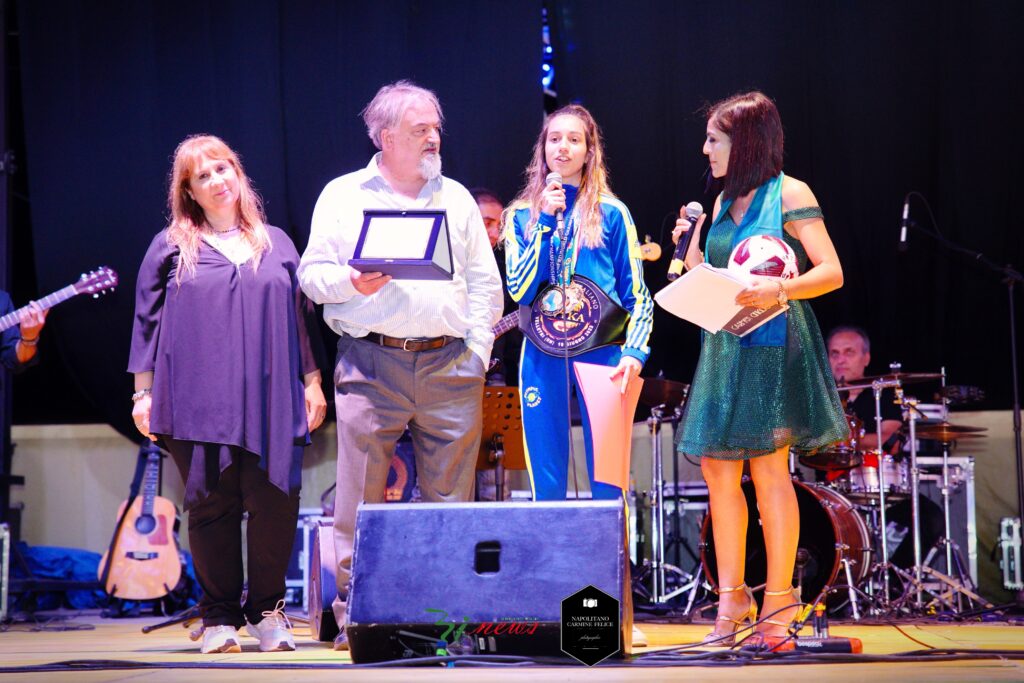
x,y
755,397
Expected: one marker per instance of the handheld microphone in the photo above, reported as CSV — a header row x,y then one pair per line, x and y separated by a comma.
x,y
559,217
903,225
675,268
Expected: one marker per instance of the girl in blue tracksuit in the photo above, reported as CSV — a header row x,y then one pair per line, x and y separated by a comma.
x,y
598,245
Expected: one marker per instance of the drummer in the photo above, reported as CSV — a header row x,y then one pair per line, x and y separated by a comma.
x,y
849,353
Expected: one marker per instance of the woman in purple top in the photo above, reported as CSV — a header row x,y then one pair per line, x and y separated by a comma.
x,y
226,380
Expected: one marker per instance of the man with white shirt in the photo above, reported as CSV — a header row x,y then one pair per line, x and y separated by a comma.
x,y
411,352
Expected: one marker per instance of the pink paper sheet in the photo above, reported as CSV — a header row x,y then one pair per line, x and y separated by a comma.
x,y
611,420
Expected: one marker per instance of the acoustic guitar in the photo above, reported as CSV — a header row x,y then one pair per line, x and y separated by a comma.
x,y
144,564
94,282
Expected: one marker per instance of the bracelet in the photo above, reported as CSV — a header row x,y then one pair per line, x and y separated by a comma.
x,y
137,396
782,297
29,342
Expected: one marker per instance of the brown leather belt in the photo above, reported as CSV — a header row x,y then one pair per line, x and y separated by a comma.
x,y
411,344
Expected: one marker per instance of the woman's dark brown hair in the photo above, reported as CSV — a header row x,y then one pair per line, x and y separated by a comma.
x,y
755,130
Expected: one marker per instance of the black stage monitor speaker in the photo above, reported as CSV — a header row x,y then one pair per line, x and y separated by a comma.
x,y
485,578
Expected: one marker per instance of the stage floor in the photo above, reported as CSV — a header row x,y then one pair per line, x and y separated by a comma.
x,y
98,649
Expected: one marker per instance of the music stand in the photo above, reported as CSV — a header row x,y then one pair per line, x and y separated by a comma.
x,y
501,440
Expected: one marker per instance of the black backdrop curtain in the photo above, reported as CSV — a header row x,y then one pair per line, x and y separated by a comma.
x,y
876,98
110,89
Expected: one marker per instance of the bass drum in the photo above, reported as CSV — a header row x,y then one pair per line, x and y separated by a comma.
x,y
831,530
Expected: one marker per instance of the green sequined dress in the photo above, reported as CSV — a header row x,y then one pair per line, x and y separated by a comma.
x,y
750,401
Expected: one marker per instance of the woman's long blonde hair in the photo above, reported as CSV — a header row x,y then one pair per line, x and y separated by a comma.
x,y
593,182
184,230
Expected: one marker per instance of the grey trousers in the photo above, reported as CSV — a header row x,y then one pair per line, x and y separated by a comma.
x,y
378,391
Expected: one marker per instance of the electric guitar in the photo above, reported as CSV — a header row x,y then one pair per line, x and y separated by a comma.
x,y
650,251
506,324
95,282
144,562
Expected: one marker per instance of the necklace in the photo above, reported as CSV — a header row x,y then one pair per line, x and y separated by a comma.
x,y
741,212
225,235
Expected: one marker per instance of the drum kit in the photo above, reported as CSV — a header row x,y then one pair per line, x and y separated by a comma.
x,y
844,554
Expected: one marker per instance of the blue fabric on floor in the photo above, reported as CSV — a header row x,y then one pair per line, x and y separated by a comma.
x,y
73,564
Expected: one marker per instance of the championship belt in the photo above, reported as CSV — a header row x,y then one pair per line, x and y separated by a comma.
x,y
573,321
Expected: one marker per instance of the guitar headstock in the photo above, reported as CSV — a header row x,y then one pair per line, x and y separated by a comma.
x,y
96,282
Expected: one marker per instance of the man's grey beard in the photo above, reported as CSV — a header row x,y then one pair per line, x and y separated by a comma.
x,y
430,166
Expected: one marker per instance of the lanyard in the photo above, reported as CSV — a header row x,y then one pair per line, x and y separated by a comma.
x,y
562,254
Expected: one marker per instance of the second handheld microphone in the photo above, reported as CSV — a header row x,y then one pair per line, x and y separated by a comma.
x,y
675,268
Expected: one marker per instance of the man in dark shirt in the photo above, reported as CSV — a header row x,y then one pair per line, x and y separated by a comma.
x,y
849,353
508,347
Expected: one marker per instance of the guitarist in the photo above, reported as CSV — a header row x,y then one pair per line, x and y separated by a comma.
x,y
19,344
507,347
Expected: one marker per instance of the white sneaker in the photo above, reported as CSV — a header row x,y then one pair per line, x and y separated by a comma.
x,y
273,631
220,639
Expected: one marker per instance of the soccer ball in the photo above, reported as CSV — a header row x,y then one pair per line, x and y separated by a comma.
x,y
764,255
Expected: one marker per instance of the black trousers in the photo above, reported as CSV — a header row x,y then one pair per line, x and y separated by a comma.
x,y
215,533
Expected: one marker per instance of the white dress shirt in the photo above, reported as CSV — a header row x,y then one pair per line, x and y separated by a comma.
x,y
467,306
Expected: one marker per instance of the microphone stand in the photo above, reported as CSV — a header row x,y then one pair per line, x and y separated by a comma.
x,y
1010,276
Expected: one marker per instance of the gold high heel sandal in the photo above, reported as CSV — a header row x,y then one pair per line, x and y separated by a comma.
x,y
761,640
728,638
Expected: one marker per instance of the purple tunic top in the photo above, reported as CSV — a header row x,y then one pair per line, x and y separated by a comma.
x,y
228,348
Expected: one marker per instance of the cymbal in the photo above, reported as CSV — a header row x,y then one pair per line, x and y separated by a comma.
x,y
946,432
901,377
658,391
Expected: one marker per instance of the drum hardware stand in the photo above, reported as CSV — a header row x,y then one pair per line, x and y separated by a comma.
x,y
956,589
884,565
909,405
641,537
911,587
693,586
851,590
677,530
955,577
658,566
